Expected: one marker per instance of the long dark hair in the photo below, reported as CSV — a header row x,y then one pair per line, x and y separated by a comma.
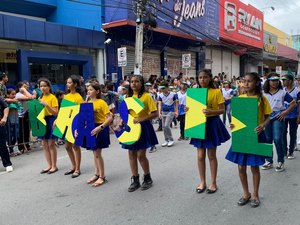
x,y
267,82
19,85
208,73
130,91
258,89
48,82
76,80
97,87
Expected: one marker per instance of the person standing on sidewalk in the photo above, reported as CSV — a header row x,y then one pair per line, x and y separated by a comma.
x,y
3,136
181,109
167,109
275,129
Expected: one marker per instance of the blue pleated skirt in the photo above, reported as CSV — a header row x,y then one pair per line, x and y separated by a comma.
x,y
49,129
148,138
244,159
215,134
102,139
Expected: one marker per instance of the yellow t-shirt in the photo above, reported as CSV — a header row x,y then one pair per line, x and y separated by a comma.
x,y
214,98
76,98
51,101
263,109
100,110
148,103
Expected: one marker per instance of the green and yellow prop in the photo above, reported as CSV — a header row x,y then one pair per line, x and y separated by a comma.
x,y
195,120
245,120
37,118
67,119
131,132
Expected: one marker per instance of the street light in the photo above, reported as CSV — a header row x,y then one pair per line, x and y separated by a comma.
x,y
269,7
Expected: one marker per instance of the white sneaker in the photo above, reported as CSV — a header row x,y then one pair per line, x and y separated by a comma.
x,y
164,144
171,143
9,169
279,167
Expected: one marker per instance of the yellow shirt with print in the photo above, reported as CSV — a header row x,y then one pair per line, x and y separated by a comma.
x,y
100,110
52,101
148,103
214,98
76,98
263,109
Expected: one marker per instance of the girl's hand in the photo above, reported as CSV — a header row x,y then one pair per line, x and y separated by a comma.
x,y
43,103
176,114
75,133
137,120
231,126
186,109
208,112
260,128
2,122
159,116
96,130
118,128
282,115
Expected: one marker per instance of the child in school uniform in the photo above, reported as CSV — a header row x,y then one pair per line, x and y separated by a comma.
x,y
103,118
293,118
137,151
215,133
253,89
74,152
181,106
275,129
49,101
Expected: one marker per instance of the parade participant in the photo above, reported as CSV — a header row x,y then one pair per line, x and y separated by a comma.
x,y
167,109
137,151
103,118
181,112
227,93
293,118
13,122
215,133
3,136
49,101
275,129
253,89
74,152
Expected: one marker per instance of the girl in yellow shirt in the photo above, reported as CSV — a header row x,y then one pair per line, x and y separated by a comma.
x,y
137,151
74,152
103,118
49,101
215,133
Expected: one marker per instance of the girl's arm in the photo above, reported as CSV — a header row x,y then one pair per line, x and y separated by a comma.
x,y
287,111
108,120
263,125
214,112
52,110
159,109
150,116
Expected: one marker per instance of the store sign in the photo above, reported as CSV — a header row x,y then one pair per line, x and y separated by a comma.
x,y
8,57
194,17
270,46
122,57
241,23
186,61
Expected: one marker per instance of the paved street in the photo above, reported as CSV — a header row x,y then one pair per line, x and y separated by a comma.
x,y
29,198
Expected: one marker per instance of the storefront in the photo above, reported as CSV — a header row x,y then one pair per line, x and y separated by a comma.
x,y
30,49
182,28
241,37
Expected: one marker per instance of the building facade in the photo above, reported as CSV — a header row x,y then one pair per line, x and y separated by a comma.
x,y
53,39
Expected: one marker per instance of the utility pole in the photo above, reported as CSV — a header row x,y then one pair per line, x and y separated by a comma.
x,y
138,66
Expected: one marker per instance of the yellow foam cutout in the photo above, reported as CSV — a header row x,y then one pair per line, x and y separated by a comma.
x,y
238,125
195,115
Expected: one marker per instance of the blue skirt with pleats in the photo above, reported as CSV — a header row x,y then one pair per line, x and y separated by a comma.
x,y
102,139
49,129
244,159
148,138
215,134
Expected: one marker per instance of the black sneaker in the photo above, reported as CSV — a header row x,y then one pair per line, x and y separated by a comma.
x,y
135,183
147,183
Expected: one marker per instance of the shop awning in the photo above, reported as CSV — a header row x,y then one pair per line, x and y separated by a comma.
x,y
287,53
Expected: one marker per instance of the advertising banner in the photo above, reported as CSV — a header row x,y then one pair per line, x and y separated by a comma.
x,y
241,23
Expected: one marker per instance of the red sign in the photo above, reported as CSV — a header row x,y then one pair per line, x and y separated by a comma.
x,y
241,23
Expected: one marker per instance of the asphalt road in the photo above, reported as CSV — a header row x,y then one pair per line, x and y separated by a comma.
x,y
28,197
